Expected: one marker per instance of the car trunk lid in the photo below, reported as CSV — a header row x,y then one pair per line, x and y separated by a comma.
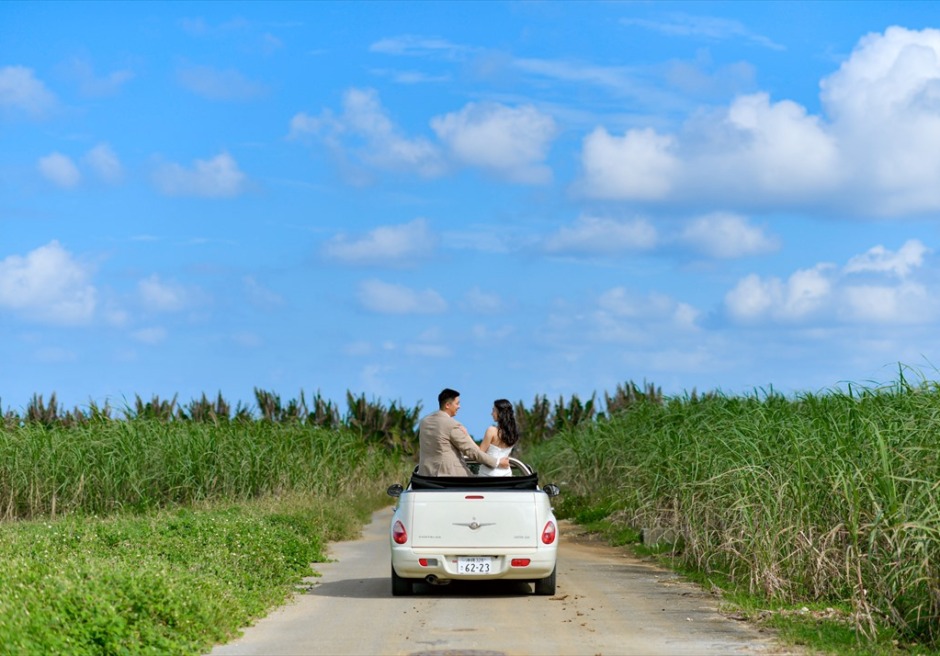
x,y
474,520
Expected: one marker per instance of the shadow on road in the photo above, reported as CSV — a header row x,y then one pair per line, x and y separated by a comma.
x,y
381,587
365,588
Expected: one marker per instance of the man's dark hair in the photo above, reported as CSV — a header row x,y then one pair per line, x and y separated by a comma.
x,y
446,395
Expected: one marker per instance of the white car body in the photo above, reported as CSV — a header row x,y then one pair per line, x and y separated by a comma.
x,y
473,528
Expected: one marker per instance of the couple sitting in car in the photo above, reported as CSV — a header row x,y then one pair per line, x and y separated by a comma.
x,y
445,443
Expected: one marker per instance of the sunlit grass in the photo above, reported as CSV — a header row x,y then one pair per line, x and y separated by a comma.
x,y
108,466
165,537
829,498
165,582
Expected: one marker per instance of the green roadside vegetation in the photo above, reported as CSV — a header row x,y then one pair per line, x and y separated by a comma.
x,y
163,582
166,530
164,535
816,516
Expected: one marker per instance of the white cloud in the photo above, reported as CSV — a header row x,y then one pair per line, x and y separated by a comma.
x,y
754,152
618,301
726,235
601,236
511,142
60,170
880,260
215,178
303,124
158,296
804,293
770,148
827,293
625,317
884,101
709,27
753,297
419,46
214,84
388,298
105,163
95,85
365,131
48,285
385,245
20,90
411,77
907,303
875,151
641,165
685,316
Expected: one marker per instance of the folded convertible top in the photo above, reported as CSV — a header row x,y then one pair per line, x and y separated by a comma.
x,y
525,482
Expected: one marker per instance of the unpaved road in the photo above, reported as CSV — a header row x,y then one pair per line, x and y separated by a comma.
x,y
607,603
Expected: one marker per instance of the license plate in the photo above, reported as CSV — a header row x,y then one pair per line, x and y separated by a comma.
x,y
474,565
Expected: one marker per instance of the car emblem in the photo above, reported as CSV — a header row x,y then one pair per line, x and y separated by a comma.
x,y
474,525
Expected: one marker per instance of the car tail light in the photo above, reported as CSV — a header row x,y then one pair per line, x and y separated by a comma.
x,y
548,533
400,535
520,562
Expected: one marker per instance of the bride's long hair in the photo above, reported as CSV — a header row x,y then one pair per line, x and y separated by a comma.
x,y
506,422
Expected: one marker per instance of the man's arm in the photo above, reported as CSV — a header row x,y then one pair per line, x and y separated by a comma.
x,y
466,446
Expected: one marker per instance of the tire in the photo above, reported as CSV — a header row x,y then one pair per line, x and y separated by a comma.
x,y
401,587
546,586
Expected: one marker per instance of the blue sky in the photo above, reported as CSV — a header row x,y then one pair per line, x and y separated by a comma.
x,y
510,199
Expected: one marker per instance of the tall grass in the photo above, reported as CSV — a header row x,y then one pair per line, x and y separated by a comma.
x,y
104,466
820,497
164,534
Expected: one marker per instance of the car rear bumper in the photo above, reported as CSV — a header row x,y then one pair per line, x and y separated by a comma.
x,y
411,563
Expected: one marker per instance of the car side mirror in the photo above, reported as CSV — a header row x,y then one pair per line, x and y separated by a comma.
x,y
552,490
395,490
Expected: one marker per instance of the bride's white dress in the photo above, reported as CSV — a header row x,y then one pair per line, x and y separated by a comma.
x,y
499,454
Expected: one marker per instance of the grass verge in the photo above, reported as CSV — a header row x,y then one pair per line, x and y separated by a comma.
x,y
819,628
167,582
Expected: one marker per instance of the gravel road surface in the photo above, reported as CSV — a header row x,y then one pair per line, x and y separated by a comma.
x,y
607,603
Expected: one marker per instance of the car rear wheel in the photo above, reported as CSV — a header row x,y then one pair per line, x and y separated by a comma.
x,y
546,586
401,587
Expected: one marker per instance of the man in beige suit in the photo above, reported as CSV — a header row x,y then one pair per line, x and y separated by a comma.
x,y
443,440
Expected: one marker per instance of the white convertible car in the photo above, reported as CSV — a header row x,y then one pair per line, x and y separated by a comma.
x,y
474,528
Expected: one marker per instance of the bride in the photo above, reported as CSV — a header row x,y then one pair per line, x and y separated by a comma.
x,y
499,440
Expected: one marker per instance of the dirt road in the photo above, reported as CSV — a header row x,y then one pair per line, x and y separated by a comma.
x,y
606,604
